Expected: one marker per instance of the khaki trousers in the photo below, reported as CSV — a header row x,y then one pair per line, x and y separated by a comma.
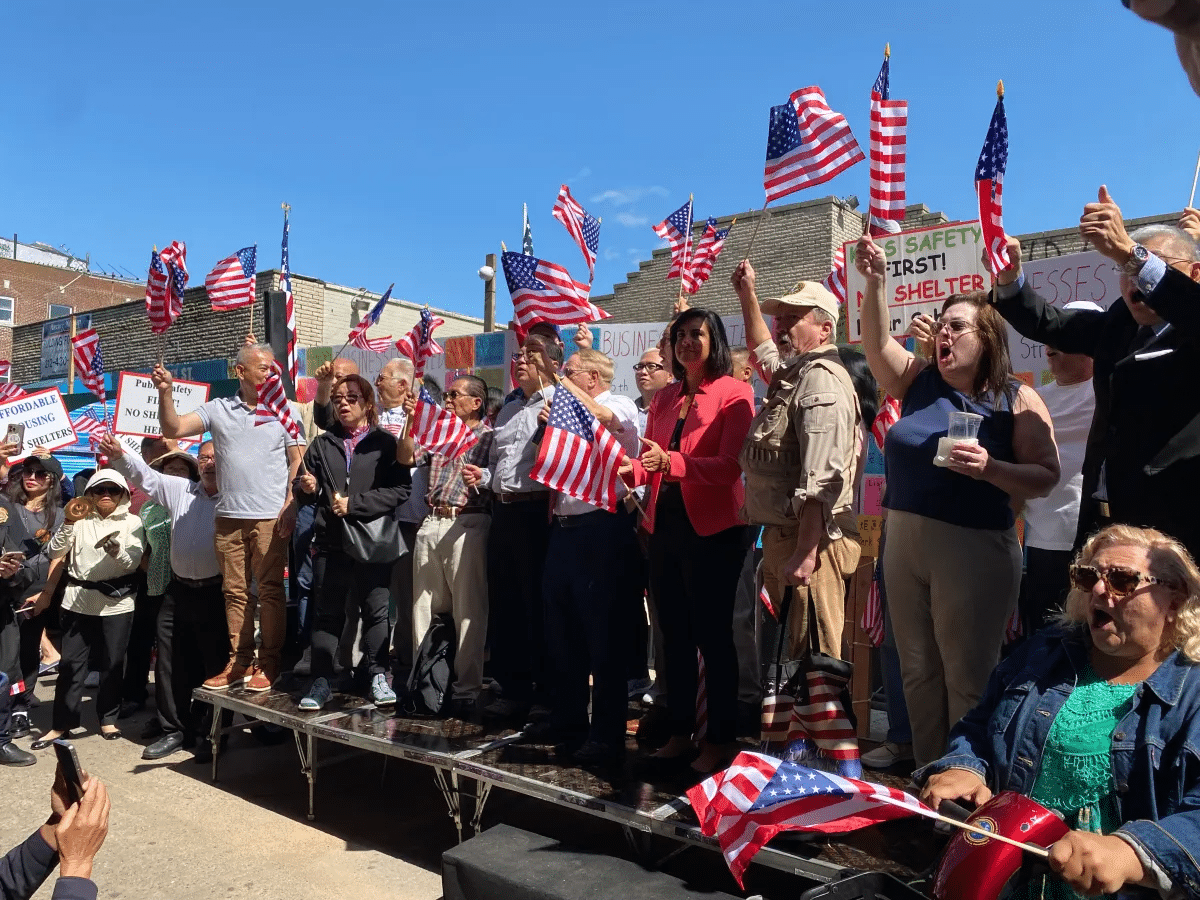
x,y
950,593
248,550
836,561
450,575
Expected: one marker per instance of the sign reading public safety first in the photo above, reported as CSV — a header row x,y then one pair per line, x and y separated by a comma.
x,y
137,403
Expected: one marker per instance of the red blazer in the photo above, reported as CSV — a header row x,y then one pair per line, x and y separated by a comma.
x,y
706,463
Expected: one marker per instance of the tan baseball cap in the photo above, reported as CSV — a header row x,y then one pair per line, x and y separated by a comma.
x,y
802,296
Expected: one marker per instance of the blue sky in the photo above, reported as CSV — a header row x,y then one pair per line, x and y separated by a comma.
x,y
407,137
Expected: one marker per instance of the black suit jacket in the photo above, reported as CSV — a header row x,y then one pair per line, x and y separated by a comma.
x,y
1146,430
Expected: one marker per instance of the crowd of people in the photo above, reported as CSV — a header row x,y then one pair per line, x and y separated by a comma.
x,y
559,606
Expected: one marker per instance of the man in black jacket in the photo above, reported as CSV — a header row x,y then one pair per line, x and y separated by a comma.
x,y
1143,452
16,574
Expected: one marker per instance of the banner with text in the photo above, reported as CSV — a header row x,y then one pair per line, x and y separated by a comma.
x,y
137,403
44,415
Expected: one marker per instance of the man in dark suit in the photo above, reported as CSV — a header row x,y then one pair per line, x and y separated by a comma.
x,y
1143,452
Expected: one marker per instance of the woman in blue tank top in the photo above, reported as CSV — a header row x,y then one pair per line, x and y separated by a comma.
x,y
952,563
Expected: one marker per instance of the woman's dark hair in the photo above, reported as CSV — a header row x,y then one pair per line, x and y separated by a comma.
x,y
495,402
719,361
994,372
364,388
52,499
864,384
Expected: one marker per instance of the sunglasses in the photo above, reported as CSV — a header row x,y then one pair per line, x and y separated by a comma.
x,y
1119,580
349,398
37,474
109,490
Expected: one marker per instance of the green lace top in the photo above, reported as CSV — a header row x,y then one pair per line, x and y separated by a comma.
x,y
1075,778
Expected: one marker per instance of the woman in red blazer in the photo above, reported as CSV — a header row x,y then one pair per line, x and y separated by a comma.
x,y
694,433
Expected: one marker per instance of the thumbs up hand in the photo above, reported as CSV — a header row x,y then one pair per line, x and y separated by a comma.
x,y
1102,226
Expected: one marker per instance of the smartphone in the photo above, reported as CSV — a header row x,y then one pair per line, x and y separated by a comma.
x,y
15,434
68,761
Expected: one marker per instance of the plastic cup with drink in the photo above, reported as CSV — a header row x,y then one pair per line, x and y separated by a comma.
x,y
963,429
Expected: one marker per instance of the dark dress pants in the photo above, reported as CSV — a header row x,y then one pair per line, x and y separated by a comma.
x,y
694,581
141,644
586,633
1044,587
338,580
193,644
108,636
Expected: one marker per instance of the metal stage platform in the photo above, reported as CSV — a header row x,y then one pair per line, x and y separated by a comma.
x,y
468,759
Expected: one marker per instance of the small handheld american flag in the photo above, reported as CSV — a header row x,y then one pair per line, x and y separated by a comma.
x,y
85,347
583,228
165,282
708,248
835,281
439,431
578,456
358,334
230,284
989,185
677,229
272,403
545,292
419,345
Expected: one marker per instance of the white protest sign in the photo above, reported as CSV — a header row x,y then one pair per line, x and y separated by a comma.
x,y
924,267
45,418
137,403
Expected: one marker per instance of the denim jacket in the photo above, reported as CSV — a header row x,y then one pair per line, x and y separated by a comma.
x,y
1155,747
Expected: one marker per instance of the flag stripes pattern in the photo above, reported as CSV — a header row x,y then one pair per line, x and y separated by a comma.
x,y
10,391
545,292
285,285
677,228
419,345
704,257
230,284
165,282
272,403
888,415
439,431
989,186
872,617
358,334
889,130
583,228
835,281
85,347
578,456
5,369
88,425
807,143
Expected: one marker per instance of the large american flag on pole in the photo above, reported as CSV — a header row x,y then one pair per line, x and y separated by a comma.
x,y
165,282
989,185
889,130
230,284
5,369
358,334
545,292
578,456
708,248
583,228
677,228
285,285
85,347
439,431
807,143
419,345
758,796
273,405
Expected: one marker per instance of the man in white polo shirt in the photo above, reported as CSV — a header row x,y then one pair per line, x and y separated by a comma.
x,y
255,512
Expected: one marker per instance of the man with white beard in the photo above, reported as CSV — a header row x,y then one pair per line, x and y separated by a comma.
x,y
801,456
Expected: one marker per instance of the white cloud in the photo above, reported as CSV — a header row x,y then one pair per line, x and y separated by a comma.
x,y
632,220
585,172
610,254
625,196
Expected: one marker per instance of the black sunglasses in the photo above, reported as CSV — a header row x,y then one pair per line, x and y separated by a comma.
x,y
1120,580
112,490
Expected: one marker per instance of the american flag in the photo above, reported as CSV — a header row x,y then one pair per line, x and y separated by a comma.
x,y
419,345
545,292
583,228
758,796
888,415
230,284
815,726
578,456
164,286
526,232
87,425
85,347
10,391
5,369
439,431
358,334
677,228
889,130
835,281
272,403
708,248
989,185
285,284
872,618
807,143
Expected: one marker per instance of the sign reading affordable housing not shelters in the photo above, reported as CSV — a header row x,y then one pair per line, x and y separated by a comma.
x,y
45,418
137,403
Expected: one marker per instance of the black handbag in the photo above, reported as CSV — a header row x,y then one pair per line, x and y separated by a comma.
x,y
374,540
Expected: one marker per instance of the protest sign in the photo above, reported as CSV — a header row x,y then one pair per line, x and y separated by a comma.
x,y
45,418
137,403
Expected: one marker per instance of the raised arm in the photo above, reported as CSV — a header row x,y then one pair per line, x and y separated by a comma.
x,y
172,424
893,366
743,281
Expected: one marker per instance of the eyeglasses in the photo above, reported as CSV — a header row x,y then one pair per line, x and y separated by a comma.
x,y
206,459
348,398
107,490
527,354
568,372
454,395
647,367
37,474
957,326
1119,580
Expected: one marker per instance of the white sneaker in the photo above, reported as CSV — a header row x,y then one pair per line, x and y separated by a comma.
x,y
887,754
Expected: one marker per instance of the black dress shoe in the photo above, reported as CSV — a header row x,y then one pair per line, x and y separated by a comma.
x,y
164,746
594,755
130,708
43,743
12,755
111,735
19,726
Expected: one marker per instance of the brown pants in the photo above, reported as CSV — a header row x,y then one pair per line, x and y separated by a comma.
x,y
249,549
836,561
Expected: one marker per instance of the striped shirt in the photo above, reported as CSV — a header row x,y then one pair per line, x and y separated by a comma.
x,y
446,487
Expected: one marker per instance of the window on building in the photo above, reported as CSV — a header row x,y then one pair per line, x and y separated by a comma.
x,y
7,305
58,310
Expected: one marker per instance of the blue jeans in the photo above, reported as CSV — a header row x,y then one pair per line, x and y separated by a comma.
x,y
303,579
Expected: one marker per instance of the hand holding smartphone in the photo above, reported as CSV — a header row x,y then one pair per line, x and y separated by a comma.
x,y
68,764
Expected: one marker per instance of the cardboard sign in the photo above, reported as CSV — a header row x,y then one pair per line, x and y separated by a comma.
x,y
45,418
137,403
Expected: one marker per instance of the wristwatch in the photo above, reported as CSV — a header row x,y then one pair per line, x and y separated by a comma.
x,y
1137,258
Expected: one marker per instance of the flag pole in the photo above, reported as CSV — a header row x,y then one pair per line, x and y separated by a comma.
x,y
754,234
1192,197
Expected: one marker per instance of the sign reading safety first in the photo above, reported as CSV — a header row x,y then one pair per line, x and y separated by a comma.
x,y
137,403
45,418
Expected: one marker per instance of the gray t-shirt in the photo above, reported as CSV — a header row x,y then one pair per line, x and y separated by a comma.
x,y
252,468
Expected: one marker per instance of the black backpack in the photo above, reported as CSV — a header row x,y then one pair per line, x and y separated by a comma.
x,y
427,691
